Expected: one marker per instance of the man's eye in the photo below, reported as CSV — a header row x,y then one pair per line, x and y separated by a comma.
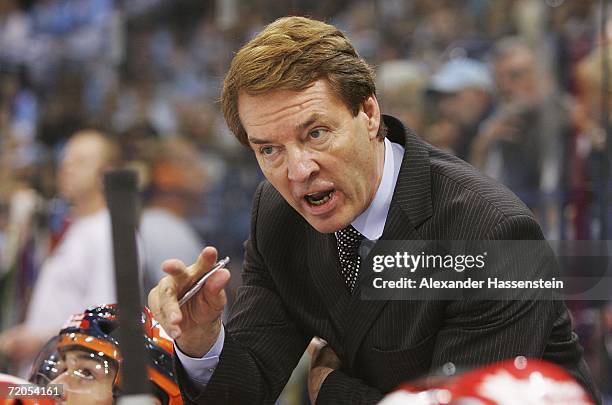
x,y
317,133
267,150
84,373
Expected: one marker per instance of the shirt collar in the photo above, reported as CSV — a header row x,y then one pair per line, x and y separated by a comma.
x,y
371,222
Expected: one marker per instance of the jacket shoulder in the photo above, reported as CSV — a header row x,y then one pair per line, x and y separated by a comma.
x,y
463,195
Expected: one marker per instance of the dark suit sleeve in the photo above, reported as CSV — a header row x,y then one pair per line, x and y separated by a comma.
x,y
262,344
339,388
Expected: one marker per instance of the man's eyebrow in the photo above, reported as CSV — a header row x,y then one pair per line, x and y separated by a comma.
x,y
311,120
82,355
258,141
86,356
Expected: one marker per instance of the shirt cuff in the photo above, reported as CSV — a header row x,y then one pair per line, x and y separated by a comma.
x,y
201,369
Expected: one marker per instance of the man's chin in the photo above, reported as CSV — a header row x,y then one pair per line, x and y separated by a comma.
x,y
328,225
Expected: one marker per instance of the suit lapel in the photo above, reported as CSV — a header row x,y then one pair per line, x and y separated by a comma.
x,y
410,206
412,192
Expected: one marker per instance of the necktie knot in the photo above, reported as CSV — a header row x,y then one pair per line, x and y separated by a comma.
x,y
348,240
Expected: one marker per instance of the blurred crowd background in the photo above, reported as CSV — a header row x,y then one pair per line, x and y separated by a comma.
x,y
518,88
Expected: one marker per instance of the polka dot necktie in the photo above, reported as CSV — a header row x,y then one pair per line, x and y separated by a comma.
x,y
348,240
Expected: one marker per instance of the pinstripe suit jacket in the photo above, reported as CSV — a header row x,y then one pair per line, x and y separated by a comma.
x,y
292,290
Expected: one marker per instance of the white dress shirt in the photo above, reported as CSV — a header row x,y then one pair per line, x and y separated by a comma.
x,y
370,223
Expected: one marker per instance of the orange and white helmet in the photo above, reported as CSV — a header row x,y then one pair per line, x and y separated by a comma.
x,y
96,332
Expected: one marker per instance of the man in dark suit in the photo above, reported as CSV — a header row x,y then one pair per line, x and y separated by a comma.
x,y
338,172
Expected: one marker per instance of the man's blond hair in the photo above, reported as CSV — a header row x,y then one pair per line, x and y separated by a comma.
x,y
290,54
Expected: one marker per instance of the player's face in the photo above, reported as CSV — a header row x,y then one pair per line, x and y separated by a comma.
x,y
325,162
87,379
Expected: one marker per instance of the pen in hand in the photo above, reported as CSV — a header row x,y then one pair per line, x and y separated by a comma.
x,y
200,283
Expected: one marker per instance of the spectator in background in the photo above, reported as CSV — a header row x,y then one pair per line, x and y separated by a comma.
x,y
460,92
79,272
590,82
522,144
19,115
176,186
591,137
401,85
15,26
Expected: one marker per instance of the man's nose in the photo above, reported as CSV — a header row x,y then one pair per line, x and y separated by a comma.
x,y
301,165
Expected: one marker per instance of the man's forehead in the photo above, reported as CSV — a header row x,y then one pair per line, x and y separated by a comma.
x,y
84,146
285,107
518,57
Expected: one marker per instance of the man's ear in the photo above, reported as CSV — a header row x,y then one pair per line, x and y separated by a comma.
x,y
371,109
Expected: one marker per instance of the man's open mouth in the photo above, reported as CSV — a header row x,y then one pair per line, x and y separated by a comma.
x,y
319,198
